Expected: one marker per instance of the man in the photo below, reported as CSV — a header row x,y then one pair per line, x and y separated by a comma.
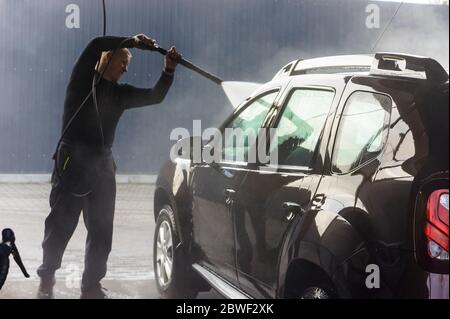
x,y
84,174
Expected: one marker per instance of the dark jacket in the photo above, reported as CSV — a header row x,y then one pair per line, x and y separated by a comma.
x,y
82,155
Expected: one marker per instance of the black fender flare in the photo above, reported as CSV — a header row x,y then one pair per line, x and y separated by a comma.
x,y
180,203
328,241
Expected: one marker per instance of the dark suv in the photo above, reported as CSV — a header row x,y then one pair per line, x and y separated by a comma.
x,y
355,207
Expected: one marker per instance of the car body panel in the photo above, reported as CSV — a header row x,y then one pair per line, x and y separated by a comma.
x,y
260,221
349,221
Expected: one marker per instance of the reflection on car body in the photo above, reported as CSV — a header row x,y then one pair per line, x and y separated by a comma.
x,y
361,179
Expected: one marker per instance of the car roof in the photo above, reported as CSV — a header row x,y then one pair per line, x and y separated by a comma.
x,y
327,65
380,64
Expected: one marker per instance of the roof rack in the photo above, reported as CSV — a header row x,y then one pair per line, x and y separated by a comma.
x,y
386,64
332,64
398,64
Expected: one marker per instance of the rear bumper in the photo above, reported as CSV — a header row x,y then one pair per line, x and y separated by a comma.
x,y
438,286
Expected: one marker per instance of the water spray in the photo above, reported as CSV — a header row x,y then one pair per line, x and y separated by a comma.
x,y
235,91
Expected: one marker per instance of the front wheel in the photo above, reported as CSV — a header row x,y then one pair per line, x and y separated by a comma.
x,y
174,275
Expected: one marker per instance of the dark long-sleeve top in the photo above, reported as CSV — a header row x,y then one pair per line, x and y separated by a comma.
x,y
112,98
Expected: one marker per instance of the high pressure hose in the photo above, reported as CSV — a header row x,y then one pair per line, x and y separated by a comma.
x,y
96,79
94,97
104,17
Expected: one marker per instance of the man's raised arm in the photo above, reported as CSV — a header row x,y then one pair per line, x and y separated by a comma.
x,y
85,66
132,97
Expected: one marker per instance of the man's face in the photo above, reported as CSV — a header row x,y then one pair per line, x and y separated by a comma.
x,y
118,66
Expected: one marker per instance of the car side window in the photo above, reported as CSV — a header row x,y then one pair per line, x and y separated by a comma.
x,y
240,133
362,130
300,126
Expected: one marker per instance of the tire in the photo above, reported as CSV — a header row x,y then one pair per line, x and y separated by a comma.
x,y
174,276
316,293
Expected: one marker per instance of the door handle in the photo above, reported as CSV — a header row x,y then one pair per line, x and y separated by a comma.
x,y
229,196
291,209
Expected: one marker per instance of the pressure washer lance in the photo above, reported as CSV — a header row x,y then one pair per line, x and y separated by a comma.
x,y
7,247
183,62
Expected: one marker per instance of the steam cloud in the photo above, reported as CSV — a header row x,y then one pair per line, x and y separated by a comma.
x,y
236,40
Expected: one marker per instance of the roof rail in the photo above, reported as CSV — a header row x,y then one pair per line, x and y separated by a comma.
x,y
398,64
331,64
286,70
339,62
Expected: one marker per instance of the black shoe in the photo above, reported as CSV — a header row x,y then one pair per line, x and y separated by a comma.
x,y
45,290
94,292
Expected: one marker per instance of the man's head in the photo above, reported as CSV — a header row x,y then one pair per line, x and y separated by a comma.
x,y
118,64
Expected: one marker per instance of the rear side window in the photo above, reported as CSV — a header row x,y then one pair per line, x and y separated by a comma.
x,y
362,130
300,126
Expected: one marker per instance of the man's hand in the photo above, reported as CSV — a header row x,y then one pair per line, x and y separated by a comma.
x,y
144,42
171,60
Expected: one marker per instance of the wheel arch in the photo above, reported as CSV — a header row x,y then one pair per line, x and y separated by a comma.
x,y
180,209
328,245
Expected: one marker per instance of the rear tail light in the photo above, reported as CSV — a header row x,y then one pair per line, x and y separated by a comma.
x,y
436,226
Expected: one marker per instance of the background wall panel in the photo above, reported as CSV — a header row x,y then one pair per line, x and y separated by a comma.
x,y
235,39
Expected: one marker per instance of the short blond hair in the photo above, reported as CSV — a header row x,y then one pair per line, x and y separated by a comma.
x,y
107,54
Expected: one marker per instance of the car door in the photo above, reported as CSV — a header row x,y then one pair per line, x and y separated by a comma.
x,y
214,185
272,195
367,176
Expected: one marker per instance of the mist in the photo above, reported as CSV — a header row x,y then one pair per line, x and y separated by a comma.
x,y
239,41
